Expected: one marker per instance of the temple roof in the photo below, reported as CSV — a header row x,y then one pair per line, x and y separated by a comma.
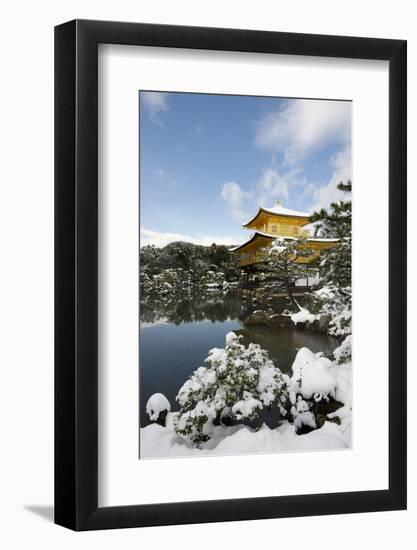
x,y
270,237
279,210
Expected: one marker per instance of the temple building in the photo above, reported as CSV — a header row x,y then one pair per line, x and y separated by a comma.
x,y
270,223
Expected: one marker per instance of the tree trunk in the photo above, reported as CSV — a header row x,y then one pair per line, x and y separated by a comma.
x,y
290,295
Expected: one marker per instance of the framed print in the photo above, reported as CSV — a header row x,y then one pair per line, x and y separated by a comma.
x,y
230,275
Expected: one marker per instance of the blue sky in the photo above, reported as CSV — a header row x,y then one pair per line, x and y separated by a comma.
x,y
208,161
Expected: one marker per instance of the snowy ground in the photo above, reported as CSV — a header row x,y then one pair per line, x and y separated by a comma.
x,y
157,441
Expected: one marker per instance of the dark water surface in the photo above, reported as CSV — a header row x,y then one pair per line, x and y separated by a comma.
x,y
176,337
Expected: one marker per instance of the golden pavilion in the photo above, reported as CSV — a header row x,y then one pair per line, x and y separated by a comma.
x,y
270,223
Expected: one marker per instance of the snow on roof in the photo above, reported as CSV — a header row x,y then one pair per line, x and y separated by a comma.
x,y
322,240
279,210
310,227
288,238
257,233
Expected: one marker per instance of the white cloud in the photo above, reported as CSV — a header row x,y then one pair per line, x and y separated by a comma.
x,y
342,172
270,187
236,199
160,239
273,186
303,126
155,103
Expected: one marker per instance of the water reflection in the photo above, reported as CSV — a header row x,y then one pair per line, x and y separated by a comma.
x,y
190,308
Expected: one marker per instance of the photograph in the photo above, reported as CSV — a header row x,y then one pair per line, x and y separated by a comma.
x,y
245,300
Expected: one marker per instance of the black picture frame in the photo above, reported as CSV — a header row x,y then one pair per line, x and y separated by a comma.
x,y
76,272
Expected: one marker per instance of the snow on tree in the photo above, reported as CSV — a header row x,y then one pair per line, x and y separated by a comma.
x,y
213,280
336,223
191,261
281,262
166,283
235,386
334,298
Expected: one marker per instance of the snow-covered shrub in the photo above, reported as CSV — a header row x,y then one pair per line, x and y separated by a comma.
x,y
337,303
343,375
343,353
301,405
195,424
157,408
305,420
312,374
303,417
318,388
303,316
236,385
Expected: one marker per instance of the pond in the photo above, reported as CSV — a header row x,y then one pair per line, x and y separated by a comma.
x,y
175,337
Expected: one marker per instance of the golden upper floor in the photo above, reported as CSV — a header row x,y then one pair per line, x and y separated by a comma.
x,y
279,221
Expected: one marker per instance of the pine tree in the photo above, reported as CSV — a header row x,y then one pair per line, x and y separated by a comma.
x,y
336,223
282,263
334,297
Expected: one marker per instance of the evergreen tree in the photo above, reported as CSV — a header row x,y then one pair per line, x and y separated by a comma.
x,y
282,263
336,223
334,297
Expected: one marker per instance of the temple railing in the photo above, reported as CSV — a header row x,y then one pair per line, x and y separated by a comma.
x,y
282,231
250,258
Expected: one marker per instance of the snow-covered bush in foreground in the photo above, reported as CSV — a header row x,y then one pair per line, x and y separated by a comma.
x,y
157,408
302,415
235,386
316,377
312,374
304,419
